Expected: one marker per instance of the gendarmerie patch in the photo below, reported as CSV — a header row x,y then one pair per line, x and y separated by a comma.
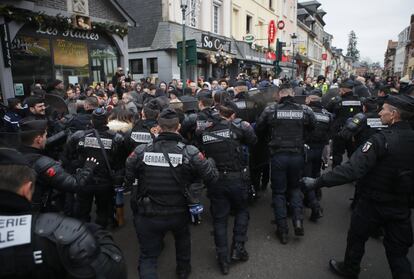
x,y
375,123
366,146
211,138
92,142
241,104
158,160
15,230
141,137
320,117
351,103
289,114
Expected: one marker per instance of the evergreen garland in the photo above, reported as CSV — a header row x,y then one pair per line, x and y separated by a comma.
x,y
59,21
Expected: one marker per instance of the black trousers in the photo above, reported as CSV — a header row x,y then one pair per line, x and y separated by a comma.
x,y
367,218
104,200
228,194
151,232
339,146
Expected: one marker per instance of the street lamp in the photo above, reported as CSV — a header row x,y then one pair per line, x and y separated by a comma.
x,y
293,37
183,62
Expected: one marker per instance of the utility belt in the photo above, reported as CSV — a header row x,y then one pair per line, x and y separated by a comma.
x,y
298,150
147,207
230,174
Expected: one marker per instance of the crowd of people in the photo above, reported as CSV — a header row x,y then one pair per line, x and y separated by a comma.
x,y
169,143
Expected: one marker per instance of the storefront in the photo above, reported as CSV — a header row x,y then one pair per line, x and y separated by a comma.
x,y
41,43
76,56
254,63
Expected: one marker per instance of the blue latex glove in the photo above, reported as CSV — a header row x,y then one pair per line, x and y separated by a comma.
x,y
196,209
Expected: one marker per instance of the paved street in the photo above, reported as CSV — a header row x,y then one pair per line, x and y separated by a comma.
x,y
302,258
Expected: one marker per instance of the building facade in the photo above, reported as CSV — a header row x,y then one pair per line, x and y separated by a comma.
x,y
400,62
389,59
75,41
313,41
153,44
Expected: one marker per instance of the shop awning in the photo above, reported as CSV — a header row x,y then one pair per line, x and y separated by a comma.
x,y
248,54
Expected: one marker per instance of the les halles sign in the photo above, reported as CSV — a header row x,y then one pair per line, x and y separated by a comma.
x,y
72,33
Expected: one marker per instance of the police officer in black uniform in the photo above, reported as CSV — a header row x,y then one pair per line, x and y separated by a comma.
x,y
288,123
108,148
206,114
384,166
166,169
316,141
343,107
52,180
363,125
47,245
223,141
145,129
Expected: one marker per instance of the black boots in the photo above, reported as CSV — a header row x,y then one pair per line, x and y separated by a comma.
x,y
298,227
183,272
282,236
316,214
239,253
224,267
340,269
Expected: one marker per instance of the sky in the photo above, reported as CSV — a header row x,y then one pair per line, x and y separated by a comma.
x,y
374,22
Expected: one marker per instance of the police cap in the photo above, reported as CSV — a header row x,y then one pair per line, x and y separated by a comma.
x,y
99,114
204,94
403,102
347,83
168,113
29,125
153,104
241,83
9,156
370,103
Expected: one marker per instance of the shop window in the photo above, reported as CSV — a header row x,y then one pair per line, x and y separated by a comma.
x,y
136,66
71,60
104,61
153,65
216,18
32,61
249,20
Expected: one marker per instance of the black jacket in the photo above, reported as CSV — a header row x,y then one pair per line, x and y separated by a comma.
x,y
52,177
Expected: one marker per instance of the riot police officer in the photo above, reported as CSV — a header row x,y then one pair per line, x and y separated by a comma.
x,y
52,180
166,169
108,148
316,142
360,128
145,129
288,123
343,107
223,141
384,166
47,245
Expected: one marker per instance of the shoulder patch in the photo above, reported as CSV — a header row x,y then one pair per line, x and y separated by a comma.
x,y
201,156
366,146
50,172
